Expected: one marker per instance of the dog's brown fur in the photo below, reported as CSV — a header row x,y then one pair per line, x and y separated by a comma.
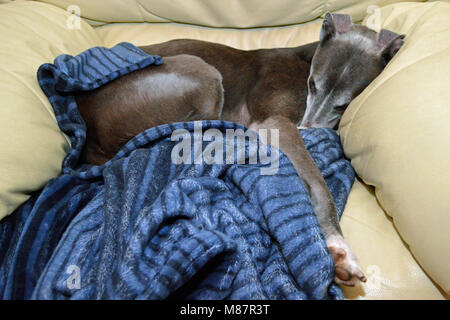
x,y
184,88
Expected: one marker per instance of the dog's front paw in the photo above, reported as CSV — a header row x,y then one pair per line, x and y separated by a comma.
x,y
347,270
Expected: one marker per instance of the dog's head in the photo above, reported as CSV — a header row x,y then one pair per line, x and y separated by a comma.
x,y
346,60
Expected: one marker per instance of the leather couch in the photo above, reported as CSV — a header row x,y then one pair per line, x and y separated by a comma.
x,y
396,133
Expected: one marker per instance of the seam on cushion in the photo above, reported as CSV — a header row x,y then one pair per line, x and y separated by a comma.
x,y
369,93
377,230
105,24
142,8
364,180
167,20
291,36
206,28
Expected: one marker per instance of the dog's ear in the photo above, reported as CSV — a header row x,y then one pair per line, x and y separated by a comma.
x,y
389,43
333,24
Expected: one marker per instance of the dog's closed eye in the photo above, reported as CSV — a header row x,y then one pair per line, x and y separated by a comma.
x,y
312,86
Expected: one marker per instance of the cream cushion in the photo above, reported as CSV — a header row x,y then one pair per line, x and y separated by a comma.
x,y
397,134
214,13
31,145
145,34
390,268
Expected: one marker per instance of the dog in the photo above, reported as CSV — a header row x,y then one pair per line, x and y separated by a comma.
x,y
283,89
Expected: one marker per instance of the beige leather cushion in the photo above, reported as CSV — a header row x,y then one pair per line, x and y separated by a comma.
x,y
145,34
397,133
31,144
391,271
215,13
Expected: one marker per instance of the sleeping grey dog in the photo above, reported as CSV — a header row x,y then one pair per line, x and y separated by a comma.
x,y
281,89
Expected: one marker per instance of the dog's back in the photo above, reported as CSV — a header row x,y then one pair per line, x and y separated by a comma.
x,y
184,88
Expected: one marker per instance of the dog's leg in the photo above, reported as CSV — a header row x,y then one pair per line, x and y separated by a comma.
x,y
290,142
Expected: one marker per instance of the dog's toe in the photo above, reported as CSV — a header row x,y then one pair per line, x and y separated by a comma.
x,y
347,270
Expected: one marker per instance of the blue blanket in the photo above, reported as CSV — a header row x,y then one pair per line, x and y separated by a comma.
x,y
142,227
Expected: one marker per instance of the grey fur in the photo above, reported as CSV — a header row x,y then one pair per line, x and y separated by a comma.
x,y
347,59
